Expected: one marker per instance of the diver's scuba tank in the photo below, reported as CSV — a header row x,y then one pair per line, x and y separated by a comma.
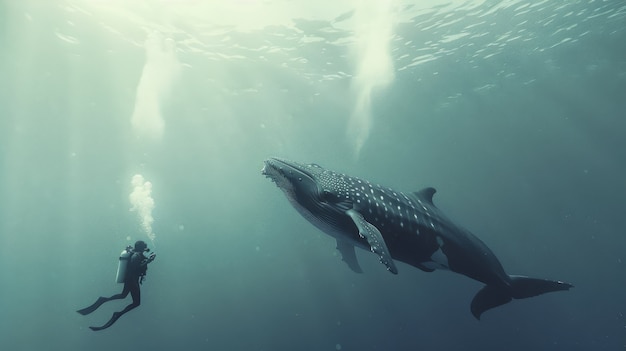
x,y
123,264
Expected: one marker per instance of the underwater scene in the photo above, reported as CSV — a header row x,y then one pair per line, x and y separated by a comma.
x,y
279,160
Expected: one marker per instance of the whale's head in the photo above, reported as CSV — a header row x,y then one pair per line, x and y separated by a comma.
x,y
319,194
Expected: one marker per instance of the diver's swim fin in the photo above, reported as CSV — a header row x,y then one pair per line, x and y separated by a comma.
x,y
115,317
98,303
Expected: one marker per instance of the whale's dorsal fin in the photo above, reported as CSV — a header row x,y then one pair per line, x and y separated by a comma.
x,y
426,194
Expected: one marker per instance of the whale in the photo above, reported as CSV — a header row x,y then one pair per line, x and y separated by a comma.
x,y
398,227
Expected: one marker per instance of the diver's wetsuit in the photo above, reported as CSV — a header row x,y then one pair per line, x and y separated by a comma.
x,y
136,269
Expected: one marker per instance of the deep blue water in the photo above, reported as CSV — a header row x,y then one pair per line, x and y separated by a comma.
x,y
513,110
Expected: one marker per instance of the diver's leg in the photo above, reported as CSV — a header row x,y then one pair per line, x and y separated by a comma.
x,y
136,294
94,306
101,300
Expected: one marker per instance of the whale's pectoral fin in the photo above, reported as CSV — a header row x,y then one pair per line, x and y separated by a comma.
x,y
374,238
348,255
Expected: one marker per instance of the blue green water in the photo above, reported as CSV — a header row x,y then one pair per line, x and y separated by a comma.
x,y
513,110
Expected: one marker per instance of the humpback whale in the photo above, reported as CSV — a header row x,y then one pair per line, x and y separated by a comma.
x,y
397,226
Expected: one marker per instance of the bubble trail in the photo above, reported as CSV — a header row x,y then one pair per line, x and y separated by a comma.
x,y
374,64
143,203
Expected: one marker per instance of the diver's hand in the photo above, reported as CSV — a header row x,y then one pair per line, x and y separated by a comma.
x,y
151,257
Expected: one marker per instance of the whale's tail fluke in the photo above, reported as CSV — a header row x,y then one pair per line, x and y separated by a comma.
x,y
520,288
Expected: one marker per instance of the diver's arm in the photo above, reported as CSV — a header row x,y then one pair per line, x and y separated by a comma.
x,y
145,261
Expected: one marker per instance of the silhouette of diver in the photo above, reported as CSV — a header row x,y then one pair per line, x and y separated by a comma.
x,y
135,272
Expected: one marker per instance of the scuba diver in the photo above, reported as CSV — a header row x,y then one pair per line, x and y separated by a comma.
x,y
131,272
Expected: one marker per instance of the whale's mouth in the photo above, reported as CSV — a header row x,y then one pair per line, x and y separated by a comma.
x,y
271,170
278,169
277,172
267,171
273,174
